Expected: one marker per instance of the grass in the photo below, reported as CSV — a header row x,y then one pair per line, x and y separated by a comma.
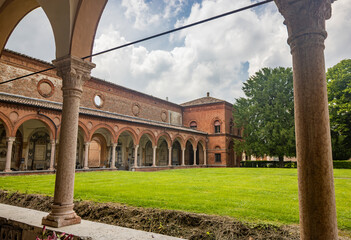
x,y
253,195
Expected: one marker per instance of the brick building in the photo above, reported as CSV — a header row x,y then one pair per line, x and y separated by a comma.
x,y
118,127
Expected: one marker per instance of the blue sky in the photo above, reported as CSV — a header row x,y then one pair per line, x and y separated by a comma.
x,y
215,57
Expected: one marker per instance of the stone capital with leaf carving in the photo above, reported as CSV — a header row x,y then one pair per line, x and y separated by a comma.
x,y
74,72
305,18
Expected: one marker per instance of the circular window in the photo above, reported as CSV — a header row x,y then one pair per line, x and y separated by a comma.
x,y
98,101
45,88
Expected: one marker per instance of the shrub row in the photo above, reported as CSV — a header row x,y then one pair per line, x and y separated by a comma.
x,y
268,164
289,164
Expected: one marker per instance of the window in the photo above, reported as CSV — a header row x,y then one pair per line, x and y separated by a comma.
x,y
231,126
193,125
217,126
239,132
98,100
217,157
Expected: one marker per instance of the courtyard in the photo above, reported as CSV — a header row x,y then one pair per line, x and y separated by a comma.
x,y
254,196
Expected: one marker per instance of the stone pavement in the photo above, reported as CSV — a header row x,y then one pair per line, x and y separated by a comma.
x,y
28,222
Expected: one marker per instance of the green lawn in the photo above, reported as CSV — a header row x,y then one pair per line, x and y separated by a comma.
x,y
249,194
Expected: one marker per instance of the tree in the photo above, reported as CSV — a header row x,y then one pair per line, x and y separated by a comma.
x,y
267,114
339,98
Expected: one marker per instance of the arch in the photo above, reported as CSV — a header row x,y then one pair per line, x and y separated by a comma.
x,y
150,134
180,139
7,124
85,27
98,151
74,24
85,131
201,141
192,141
130,131
108,128
11,13
46,121
166,136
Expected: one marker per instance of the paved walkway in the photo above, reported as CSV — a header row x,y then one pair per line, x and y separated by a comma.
x,y
85,230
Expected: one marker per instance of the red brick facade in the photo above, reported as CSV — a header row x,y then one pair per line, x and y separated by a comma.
x,y
113,121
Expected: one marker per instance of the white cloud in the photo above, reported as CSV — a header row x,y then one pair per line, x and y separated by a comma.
x,y
214,57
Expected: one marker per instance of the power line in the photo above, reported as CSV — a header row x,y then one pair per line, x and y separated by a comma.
x,y
151,37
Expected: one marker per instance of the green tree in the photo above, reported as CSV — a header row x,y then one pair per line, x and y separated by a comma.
x,y
339,98
267,114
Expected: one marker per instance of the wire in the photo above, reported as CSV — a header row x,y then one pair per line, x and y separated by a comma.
x,y
151,37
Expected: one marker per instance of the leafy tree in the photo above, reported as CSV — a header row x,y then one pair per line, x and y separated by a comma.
x,y
267,114
339,98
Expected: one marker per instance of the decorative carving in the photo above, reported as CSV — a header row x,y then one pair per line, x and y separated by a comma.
x,y
136,109
164,116
57,121
115,128
90,125
74,72
13,116
304,18
45,88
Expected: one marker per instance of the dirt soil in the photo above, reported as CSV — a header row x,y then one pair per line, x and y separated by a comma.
x,y
173,223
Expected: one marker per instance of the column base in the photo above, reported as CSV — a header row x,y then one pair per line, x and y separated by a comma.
x,y
51,169
61,216
85,168
7,170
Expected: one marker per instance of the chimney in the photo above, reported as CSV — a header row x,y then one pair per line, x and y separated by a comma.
x,y
208,94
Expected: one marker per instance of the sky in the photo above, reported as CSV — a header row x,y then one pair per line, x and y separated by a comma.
x,y
215,57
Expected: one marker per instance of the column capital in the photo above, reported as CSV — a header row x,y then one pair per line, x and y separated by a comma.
x,y
114,144
74,72
10,139
86,143
53,141
305,18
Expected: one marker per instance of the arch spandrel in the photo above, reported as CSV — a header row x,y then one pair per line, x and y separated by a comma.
x,y
11,13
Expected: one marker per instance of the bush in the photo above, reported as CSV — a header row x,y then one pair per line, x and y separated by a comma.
x,y
267,164
342,164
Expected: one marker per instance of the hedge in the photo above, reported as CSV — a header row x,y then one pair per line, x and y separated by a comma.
x,y
289,164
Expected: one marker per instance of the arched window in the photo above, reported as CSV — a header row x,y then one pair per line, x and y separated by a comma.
x,y
231,126
193,125
217,126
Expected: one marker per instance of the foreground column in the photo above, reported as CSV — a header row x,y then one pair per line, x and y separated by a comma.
x,y
136,155
10,141
113,156
73,72
52,156
305,20
86,155
170,156
154,156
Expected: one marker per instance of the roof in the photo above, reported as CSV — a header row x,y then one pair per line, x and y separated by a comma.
x,y
12,98
201,101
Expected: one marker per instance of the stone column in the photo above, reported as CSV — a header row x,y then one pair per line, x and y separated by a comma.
x,y
9,141
305,20
170,156
183,156
136,155
113,156
205,157
86,155
74,72
52,156
194,156
154,156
